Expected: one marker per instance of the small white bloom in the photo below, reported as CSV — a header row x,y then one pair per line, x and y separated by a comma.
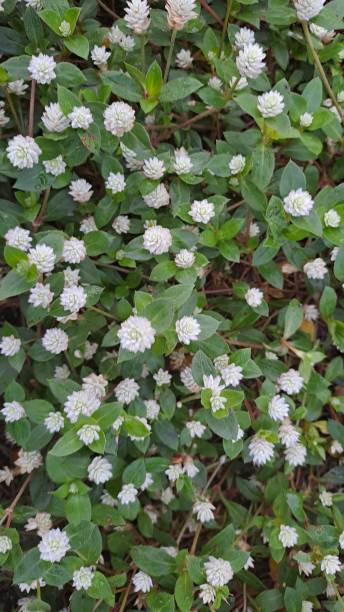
x,y
290,382
80,117
238,84
332,218
237,164
153,409
119,118
153,168
55,166
215,83
254,297
148,481
306,606
179,12
82,578
54,545
261,450
190,467
202,211
287,536
315,269
10,345
121,224
341,540
250,61
43,257
80,402
13,411
188,380
88,225
100,56
213,383
334,253
41,523
306,9
188,329
80,190
311,313
298,203
65,29
158,197
23,152
6,475
167,496
278,408
306,120
326,498
184,259
182,162
336,448
73,298
128,494
3,117
218,571
162,377
207,593
115,182
71,277
195,429
184,59
296,454
99,470
137,16
306,567
74,250
5,544
53,118
54,422
55,341
88,433
42,68
136,334
18,238
62,372
288,435
157,239
204,510
270,104
232,374
127,390
95,385
28,461
330,564
17,87
142,582
244,37
174,471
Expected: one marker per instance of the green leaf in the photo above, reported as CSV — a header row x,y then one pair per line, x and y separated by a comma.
x,y
15,284
153,82
161,602
183,592
123,85
292,178
202,366
86,540
160,314
30,567
68,444
78,45
327,302
154,561
180,88
66,99
293,318
338,265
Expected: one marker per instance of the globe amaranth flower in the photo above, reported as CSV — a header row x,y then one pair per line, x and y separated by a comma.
x,y
307,9
80,402
18,238
188,380
128,494
13,411
179,12
3,117
254,297
218,571
10,345
88,433
127,390
184,59
80,190
74,250
288,435
244,37
88,225
54,546
306,120
119,118
41,523
158,197
23,152
232,374
332,218
296,454
153,168
207,593
287,536
137,16
316,269
330,564
53,118
203,510
55,166
27,461
130,157
83,578
250,61
326,498
142,582
298,203
99,470
157,239
174,471
182,162
5,544
54,422
290,382
215,83
184,259
73,298
195,429
306,567
136,334
260,450
18,87
115,182
237,164
202,211
100,56
80,117
42,68
148,481
310,311
95,385
43,257
270,104
121,224
55,341
278,408
238,84
188,329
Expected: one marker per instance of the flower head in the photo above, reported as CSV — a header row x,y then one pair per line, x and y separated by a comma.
x,y
287,536
43,257
254,297
330,564
158,197
23,152
115,182
127,494
54,545
332,218
55,341
53,118
19,238
202,211
261,450
82,578
10,346
137,16
250,61
42,68
80,190
316,269
237,164
307,9
74,250
290,382
119,118
157,239
218,571
99,470
298,203
127,390
13,411
80,117
204,510
278,408
153,168
179,12
188,329
142,582
244,37
270,104
136,334
184,59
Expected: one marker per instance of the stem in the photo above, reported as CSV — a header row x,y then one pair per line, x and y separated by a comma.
x,y
13,110
38,589
38,221
9,511
32,107
108,10
125,597
225,25
321,71
211,11
143,53
103,312
170,53
195,540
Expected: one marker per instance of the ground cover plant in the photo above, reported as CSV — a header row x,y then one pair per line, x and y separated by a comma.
x,y
171,294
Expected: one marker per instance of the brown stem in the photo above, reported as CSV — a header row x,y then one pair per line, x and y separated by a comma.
x,y
8,515
107,9
32,107
38,221
125,597
195,540
13,110
211,11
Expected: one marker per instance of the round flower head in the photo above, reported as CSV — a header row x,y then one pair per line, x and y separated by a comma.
x,y
182,162
28,461
290,382
136,334
80,402
215,83
42,68
80,190
18,238
115,182
82,578
121,224
88,225
99,470
54,422
43,257
204,510
80,117
127,390
18,87
53,118
232,375
237,164
157,239
188,380
127,494
326,498
153,168
287,536
202,211
250,61
74,250
254,297
218,571
188,329
152,408
55,341
332,218
12,412
244,37
54,545
73,298
184,259
137,16
88,433
184,59
119,118
10,345
306,567
311,313
261,451
195,429
307,9
296,454
270,104
55,166
238,84
23,152
158,197
41,523
278,408
5,544
306,120
316,269
100,56
288,435
142,582
330,564
179,12
298,203
207,593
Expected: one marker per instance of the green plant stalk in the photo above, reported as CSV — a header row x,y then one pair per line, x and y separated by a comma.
x,y
225,26
170,53
319,66
143,53
13,110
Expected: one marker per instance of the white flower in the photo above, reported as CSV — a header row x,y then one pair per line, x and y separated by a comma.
x,y
13,411
306,567
65,29
41,523
244,37
188,380
278,408
311,313
54,545
6,475
202,211
232,375
73,298
107,499
128,494
153,408
157,239
158,197
332,218
336,448
42,68
71,277
27,587
326,498
190,468
334,253
174,471
215,83
119,118
82,578
207,593
28,461
88,225
315,269
55,166
254,297
127,390
270,104
115,182
137,16
290,382
213,383
142,582
204,510
53,118
54,422
10,346
179,12
62,372
287,536
136,334
88,433
99,470
298,203
95,385
306,120
167,496
238,84
100,56
74,250
148,481
3,117
115,35
23,152
184,259
55,341
341,540
288,435
19,238
237,164
17,87
188,329
162,377
217,402
43,257
250,61
218,571
261,450
80,190
127,43
80,402
184,59
121,224
153,168
5,544
307,606
330,564
182,162
195,429
130,157
80,117
306,9
296,454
